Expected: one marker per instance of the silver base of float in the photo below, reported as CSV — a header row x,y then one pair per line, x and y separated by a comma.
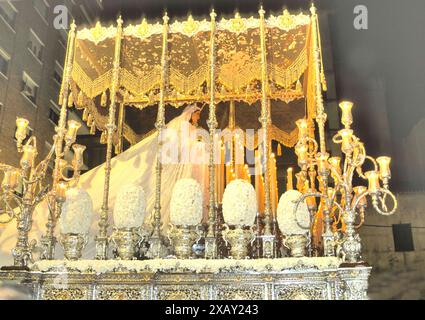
x,y
195,279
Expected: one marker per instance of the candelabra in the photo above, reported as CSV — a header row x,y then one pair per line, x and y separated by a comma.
x,y
343,204
30,177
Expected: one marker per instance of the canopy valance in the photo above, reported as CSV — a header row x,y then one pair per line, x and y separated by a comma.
x,y
236,63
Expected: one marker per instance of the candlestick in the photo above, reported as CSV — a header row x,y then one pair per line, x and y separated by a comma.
x,y
302,125
60,191
289,179
10,180
373,179
28,158
21,129
346,117
346,135
384,167
71,135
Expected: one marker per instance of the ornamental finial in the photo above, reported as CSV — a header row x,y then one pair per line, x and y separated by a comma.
x,y
313,9
119,21
165,18
261,11
213,14
73,25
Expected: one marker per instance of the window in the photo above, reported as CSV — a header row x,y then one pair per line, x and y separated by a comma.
x,y
42,7
53,116
403,239
8,13
57,73
29,88
4,62
35,45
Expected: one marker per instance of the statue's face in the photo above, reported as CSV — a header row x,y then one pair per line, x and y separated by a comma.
x,y
195,116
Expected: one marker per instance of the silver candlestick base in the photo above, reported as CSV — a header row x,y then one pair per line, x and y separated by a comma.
x,y
126,242
182,239
73,245
239,240
297,245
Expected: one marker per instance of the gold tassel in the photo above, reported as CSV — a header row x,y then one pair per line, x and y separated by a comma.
x,y
70,100
90,120
85,114
103,99
80,100
279,149
104,137
93,129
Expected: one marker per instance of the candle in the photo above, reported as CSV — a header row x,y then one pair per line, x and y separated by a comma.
x,y
346,135
28,158
311,203
10,180
346,117
302,128
78,156
60,194
358,192
289,179
71,135
221,173
384,167
21,128
228,173
373,178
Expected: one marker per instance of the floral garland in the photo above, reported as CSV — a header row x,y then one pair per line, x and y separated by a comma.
x,y
77,212
189,265
289,221
130,207
186,203
239,203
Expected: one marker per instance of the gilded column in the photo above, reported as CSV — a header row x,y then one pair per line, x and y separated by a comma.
x,y
328,236
157,248
49,241
210,240
267,237
102,237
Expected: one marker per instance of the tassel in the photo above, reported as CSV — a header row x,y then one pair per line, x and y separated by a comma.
x,y
70,100
104,137
279,149
93,129
103,99
80,99
85,114
90,120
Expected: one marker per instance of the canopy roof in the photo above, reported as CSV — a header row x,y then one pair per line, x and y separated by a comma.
x,y
237,64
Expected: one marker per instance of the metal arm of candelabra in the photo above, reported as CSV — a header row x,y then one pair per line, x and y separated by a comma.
x,y
348,201
31,177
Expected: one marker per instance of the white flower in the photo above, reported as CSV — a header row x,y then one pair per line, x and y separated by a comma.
x,y
291,223
77,212
186,203
130,207
239,203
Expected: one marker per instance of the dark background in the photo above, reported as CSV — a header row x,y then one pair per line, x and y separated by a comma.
x,y
390,54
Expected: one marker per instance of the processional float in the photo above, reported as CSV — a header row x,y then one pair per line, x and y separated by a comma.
x,y
273,60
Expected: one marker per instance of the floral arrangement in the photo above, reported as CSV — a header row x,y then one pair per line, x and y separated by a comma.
x,y
189,265
186,203
130,207
77,212
291,222
239,203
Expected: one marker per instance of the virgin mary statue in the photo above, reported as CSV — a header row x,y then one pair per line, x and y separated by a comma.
x,y
183,155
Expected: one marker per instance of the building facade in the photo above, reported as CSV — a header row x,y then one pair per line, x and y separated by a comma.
x,y
32,54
